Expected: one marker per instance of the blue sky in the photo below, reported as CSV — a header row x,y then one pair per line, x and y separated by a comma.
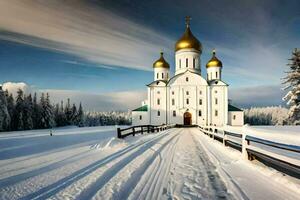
x,y
97,51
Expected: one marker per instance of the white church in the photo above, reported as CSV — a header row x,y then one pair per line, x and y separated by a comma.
x,y
190,97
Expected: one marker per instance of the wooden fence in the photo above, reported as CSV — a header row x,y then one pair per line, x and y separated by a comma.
x,y
246,144
133,130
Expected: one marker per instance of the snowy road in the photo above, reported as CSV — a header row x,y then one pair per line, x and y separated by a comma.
x,y
92,164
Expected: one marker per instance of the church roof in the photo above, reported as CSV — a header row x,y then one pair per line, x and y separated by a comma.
x,y
143,108
233,108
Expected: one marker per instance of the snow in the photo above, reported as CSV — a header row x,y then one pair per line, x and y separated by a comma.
x,y
91,163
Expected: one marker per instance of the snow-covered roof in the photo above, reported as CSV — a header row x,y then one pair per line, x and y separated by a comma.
x,y
143,108
233,108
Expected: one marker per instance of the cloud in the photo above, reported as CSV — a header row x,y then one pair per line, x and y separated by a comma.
x,y
257,96
81,28
14,87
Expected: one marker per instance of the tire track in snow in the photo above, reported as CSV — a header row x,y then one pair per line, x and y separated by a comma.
x,y
89,192
130,185
52,189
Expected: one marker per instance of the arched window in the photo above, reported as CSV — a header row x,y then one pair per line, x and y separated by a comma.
x,y
187,101
174,113
157,75
234,117
216,101
216,113
158,113
140,117
187,79
216,74
200,101
158,101
173,102
194,63
200,113
186,62
179,63
162,75
172,92
187,92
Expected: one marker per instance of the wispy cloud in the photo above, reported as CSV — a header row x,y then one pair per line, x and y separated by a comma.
x,y
83,29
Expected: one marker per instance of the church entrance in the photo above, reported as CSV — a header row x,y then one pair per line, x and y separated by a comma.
x,y
187,118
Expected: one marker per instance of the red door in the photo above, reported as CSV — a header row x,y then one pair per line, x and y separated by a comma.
x,y
187,118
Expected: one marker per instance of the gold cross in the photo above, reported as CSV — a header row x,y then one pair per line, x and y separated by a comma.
x,y
187,20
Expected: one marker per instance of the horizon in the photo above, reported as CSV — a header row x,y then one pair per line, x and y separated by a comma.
x,y
102,52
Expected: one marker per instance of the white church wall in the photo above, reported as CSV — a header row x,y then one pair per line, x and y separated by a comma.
x,y
161,74
158,105
190,55
213,73
236,118
218,105
140,118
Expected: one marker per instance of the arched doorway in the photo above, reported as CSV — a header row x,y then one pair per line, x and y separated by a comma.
x,y
187,118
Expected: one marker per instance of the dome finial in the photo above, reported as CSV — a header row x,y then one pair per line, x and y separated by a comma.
x,y
161,53
187,21
214,51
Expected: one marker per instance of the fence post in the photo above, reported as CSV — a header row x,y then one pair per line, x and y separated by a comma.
x,y
119,133
133,131
244,146
142,130
224,138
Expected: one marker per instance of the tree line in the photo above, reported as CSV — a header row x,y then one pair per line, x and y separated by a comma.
x,y
26,112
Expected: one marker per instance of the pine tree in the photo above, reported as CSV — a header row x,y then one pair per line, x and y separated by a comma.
x,y
68,113
10,108
18,112
47,117
80,116
292,82
74,114
4,115
36,113
27,113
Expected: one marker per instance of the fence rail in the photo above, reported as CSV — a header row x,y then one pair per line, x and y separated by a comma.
x,y
133,130
244,145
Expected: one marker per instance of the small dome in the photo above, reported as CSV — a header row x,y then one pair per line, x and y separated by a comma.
x,y
161,62
214,61
188,40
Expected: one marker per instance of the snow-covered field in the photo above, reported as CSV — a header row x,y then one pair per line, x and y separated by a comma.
x,y
90,163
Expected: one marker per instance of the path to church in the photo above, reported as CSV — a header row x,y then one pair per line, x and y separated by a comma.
x,y
168,166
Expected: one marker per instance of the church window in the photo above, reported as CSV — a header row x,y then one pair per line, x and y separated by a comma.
x,y
216,91
187,101
200,92
200,113
173,102
200,101
172,92
187,79
216,74
179,63
174,113
140,117
234,117
158,113
157,75
186,62
162,75
216,113
158,92
158,101
216,101
187,92
194,63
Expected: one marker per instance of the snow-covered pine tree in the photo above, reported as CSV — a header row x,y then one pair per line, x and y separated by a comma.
x,y
27,112
36,113
47,117
4,115
80,116
68,113
292,82
74,114
18,114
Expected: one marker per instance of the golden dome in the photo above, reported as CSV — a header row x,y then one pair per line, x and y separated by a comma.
x,y
214,61
188,40
161,62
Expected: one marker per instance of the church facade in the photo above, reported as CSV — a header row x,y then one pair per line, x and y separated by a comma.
x,y
190,97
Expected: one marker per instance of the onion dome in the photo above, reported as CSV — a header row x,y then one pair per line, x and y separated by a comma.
x,y
188,40
214,61
161,62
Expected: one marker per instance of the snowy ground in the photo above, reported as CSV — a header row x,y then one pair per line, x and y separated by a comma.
x,y
90,163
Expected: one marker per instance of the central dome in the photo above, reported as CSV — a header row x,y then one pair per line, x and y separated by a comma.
x,y
188,41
